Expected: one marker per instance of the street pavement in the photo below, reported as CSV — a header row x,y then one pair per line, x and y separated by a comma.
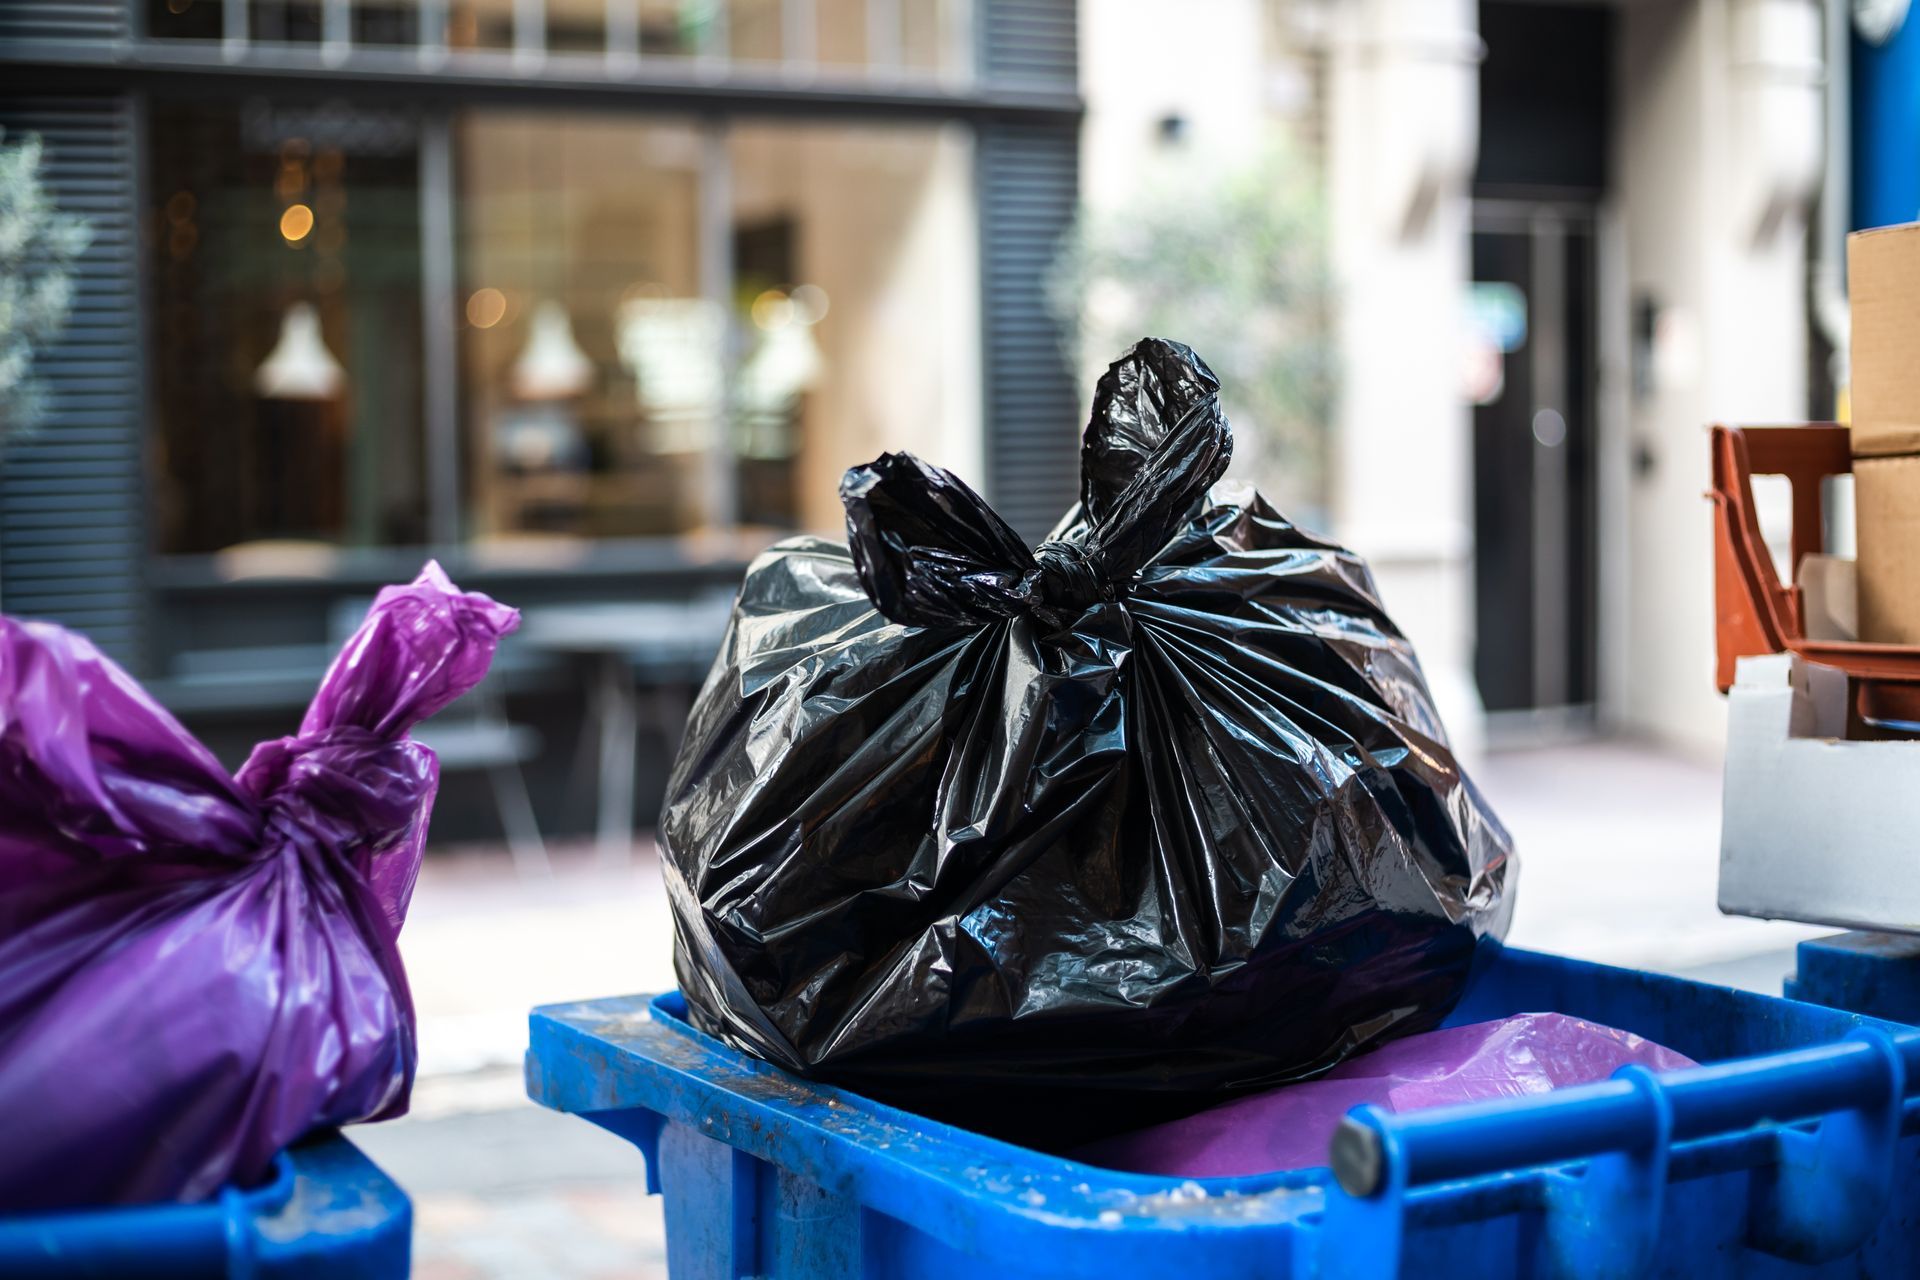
x,y
1620,861
503,1189
1619,847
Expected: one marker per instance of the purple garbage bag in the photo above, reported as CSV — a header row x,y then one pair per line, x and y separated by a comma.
x,y
197,968
1290,1127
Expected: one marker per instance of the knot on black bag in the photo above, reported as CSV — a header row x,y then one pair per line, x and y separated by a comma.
x,y
1066,581
930,552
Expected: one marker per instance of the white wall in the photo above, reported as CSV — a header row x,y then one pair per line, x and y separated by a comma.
x,y
1716,154
886,223
1141,61
1715,151
1401,144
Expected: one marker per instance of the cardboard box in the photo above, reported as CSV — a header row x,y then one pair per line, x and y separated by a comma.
x,y
1883,274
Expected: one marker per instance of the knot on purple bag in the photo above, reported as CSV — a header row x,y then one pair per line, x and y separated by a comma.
x,y
342,788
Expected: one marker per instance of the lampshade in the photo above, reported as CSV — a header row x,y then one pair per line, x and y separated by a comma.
x,y
299,367
787,362
553,367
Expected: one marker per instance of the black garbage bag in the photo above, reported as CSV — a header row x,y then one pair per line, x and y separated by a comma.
x,y
1060,842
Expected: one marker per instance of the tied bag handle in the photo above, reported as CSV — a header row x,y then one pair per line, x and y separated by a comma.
x,y
931,553
352,780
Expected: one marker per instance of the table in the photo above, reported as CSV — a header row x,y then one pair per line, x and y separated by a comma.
x,y
672,642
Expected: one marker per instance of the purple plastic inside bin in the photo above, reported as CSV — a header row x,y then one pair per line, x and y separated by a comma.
x,y
1290,1127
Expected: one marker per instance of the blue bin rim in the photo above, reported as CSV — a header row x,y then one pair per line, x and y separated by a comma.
x,y
631,1064
323,1208
270,1195
671,1008
719,1079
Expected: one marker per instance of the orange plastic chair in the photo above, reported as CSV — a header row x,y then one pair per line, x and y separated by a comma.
x,y
1754,612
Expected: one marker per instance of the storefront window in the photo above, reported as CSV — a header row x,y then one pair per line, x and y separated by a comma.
x,y
185,19
590,357
480,24
935,37
286,325
911,37
854,308
612,387
577,26
841,38
386,23
883,38
755,30
285,21
676,28
662,328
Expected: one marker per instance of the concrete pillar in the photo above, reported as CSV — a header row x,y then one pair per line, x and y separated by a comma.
x,y
1717,156
1403,124
1142,64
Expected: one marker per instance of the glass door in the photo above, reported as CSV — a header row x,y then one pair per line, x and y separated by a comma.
x,y
1530,378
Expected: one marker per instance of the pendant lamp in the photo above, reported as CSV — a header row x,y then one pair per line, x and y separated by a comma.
x,y
552,367
299,367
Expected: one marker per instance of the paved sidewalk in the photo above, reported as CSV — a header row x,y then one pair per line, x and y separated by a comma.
x,y
483,945
1619,847
502,1189
1620,859
516,1192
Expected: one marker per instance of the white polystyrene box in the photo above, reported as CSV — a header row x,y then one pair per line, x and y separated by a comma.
x,y
1814,827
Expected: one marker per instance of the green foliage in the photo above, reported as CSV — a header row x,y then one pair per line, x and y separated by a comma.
x,y
38,245
1233,264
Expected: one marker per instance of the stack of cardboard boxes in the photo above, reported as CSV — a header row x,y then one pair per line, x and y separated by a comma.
x,y
1883,269
1819,814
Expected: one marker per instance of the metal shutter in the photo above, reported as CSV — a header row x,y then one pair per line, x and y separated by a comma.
x,y
63,19
1029,183
1029,179
72,539
1030,43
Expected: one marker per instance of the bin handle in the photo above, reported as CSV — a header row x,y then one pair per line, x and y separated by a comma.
x,y
1818,1198
213,1237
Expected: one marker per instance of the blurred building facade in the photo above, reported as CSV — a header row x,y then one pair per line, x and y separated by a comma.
x,y
1565,238
590,299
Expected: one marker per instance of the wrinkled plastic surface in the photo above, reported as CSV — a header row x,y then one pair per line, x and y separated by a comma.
x,y
1291,1127
197,968
1040,842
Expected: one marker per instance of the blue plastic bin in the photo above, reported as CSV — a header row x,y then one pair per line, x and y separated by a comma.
x,y
326,1213
1789,1156
1877,974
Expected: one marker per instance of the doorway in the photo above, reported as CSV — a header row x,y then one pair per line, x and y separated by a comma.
x,y
1539,184
1535,580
